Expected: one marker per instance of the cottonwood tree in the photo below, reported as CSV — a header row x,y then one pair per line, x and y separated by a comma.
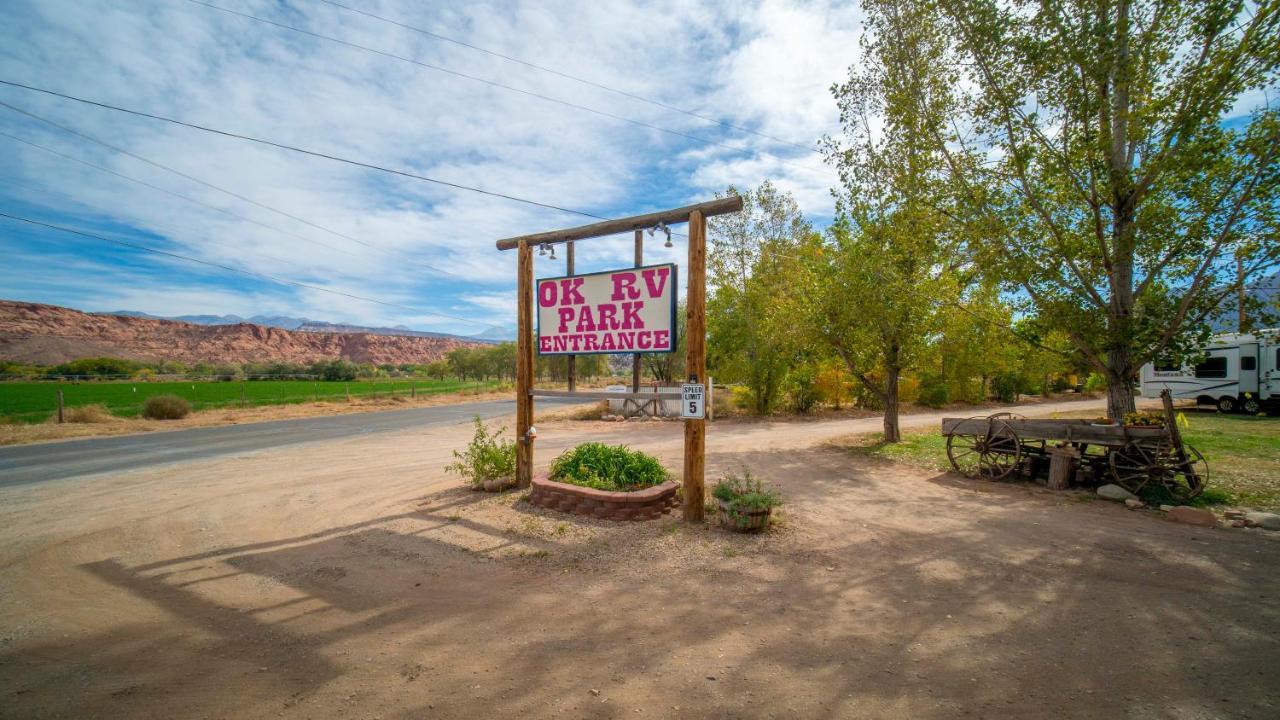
x,y
876,282
752,331
1125,209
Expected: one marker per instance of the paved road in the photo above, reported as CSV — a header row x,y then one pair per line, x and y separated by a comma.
x,y
26,464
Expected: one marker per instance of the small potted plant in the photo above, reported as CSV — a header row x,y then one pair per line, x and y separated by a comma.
x,y
745,504
489,462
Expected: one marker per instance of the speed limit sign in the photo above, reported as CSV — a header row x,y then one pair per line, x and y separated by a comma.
x,y
693,401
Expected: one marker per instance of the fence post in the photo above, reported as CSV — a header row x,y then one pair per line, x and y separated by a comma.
x,y
413,389
60,405
315,391
348,389
241,394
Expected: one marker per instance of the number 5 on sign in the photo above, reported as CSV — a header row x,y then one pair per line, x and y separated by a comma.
x,y
693,401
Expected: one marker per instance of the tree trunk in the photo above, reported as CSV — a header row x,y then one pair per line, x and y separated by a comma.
x,y
891,372
1119,388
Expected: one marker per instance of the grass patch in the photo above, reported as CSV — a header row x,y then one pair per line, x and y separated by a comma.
x,y
32,402
1243,454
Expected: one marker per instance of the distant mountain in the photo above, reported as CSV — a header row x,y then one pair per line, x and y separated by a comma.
x,y
496,333
398,330
285,322
48,335
1265,291
281,321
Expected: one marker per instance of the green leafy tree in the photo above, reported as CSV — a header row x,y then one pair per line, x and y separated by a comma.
x,y
751,328
875,284
1124,211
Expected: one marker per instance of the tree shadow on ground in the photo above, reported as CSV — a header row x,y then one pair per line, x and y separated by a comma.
x,y
919,596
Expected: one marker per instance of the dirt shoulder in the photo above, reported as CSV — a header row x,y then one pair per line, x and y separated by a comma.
x,y
356,579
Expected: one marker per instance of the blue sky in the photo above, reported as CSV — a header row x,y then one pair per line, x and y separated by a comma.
x,y
764,66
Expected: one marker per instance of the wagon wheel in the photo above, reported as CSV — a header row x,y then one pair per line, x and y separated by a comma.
x,y
1136,466
991,455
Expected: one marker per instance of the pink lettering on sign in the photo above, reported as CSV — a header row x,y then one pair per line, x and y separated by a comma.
x,y
624,287
630,310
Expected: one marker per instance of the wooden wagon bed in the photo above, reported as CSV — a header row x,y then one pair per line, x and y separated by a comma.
x,y
1134,457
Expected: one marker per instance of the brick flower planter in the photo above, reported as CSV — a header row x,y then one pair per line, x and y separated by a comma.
x,y
647,504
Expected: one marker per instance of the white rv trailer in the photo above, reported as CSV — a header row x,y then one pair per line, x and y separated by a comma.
x,y
1238,372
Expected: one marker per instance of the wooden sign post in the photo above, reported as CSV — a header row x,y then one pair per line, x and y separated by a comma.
x,y
696,332
695,431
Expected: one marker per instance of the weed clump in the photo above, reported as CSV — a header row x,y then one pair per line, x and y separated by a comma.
x,y
488,458
166,407
96,413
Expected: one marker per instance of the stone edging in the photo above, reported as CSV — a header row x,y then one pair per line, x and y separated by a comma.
x,y
647,504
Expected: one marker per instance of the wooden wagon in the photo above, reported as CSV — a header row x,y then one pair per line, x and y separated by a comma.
x,y
1133,457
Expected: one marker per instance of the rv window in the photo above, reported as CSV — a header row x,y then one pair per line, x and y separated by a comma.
x,y
1214,367
1167,366
1248,363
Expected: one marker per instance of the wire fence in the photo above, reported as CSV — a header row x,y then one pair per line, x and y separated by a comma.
x,y
38,401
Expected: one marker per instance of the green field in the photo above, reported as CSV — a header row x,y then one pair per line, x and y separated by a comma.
x,y
1243,454
33,402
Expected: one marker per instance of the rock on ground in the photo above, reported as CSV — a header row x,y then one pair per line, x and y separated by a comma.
x,y
1193,516
1268,521
1115,492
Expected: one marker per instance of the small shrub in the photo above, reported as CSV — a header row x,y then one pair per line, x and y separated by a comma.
x,y
934,391
802,389
487,457
87,414
166,407
746,492
1095,383
608,467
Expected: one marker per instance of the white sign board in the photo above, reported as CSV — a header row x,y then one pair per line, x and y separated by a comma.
x,y
618,311
693,405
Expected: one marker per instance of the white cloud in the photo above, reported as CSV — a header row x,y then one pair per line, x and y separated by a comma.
x,y
762,66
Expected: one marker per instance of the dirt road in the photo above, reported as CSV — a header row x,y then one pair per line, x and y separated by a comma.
x,y
355,579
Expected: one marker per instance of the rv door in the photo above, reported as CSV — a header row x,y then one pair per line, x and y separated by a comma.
x,y
1270,372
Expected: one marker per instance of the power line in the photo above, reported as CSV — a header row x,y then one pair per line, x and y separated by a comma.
x,y
567,76
223,190
166,191
250,273
492,83
291,148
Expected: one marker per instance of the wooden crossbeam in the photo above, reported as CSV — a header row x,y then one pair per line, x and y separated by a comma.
x,y
710,208
589,395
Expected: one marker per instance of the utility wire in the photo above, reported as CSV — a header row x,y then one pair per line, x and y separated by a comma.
x,y
269,143
492,83
180,196
225,191
567,76
250,273
291,148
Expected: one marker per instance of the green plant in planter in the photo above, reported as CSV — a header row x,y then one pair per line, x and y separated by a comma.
x,y
608,467
745,503
488,458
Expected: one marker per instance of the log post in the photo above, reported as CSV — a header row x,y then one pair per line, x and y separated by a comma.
x,y
571,361
696,362
60,418
524,367
1062,465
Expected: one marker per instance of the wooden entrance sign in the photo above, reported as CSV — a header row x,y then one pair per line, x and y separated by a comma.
x,y
696,327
